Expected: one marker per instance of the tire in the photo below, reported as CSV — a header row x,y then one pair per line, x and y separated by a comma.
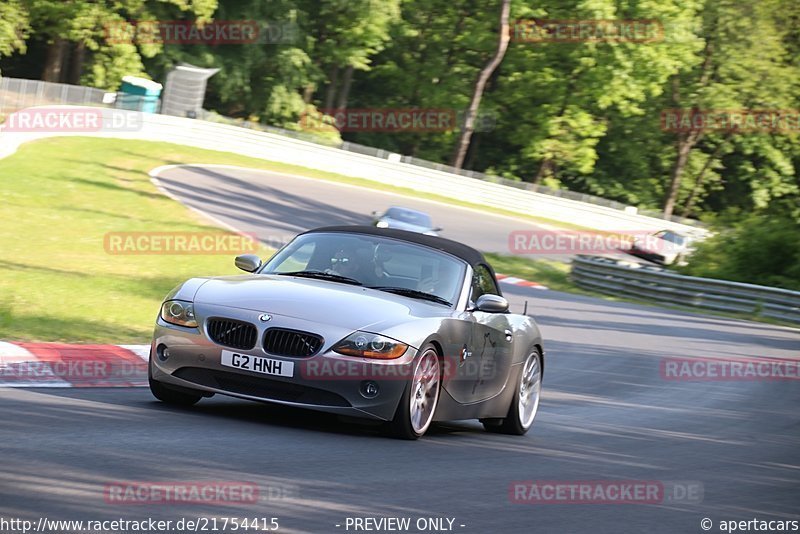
x,y
525,403
421,397
168,395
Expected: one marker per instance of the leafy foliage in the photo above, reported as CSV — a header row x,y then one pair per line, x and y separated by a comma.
x,y
759,249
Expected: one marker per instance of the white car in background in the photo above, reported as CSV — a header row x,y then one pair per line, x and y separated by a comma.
x,y
405,219
665,247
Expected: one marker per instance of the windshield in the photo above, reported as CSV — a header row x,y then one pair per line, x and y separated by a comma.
x,y
373,261
672,237
409,216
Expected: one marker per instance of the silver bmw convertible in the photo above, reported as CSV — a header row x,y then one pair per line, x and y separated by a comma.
x,y
376,323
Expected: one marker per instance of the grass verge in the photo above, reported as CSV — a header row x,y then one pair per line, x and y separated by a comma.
x,y
59,198
553,274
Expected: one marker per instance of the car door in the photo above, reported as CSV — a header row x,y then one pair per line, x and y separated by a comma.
x,y
491,341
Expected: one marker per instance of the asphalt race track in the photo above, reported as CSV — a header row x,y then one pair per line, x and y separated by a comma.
x,y
720,449
275,207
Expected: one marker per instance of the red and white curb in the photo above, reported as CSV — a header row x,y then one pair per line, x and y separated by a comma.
x,y
61,365
504,279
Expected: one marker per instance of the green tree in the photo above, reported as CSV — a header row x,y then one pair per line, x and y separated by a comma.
x,y
78,30
278,82
744,46
438,48
14,27
757,248
346,34
462,144
559,97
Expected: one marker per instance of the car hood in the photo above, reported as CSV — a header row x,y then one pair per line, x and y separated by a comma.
x,y
318,301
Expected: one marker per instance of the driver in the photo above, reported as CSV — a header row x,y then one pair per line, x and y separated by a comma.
x,y
347,262
343,263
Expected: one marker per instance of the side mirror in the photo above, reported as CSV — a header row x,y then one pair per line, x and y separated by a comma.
x,y
438,229
374,213
491,304
248,262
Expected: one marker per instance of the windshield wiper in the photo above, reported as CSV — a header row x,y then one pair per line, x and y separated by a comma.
x,y
324,276
413,293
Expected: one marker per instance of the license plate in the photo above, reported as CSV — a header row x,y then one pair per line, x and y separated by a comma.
x,y
257,364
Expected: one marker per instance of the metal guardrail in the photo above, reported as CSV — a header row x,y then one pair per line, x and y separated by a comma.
x,y
16,94
609,275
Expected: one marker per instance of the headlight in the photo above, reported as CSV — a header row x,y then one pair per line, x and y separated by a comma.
x,y
179,312
382,224
366,345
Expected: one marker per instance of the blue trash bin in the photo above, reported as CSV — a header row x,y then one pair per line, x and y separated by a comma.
x,y
138,94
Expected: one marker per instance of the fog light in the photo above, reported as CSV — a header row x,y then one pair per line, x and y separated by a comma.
x,y
162,351
369,389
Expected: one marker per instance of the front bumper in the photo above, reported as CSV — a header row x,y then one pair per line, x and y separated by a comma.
x,y
657,257
327,382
